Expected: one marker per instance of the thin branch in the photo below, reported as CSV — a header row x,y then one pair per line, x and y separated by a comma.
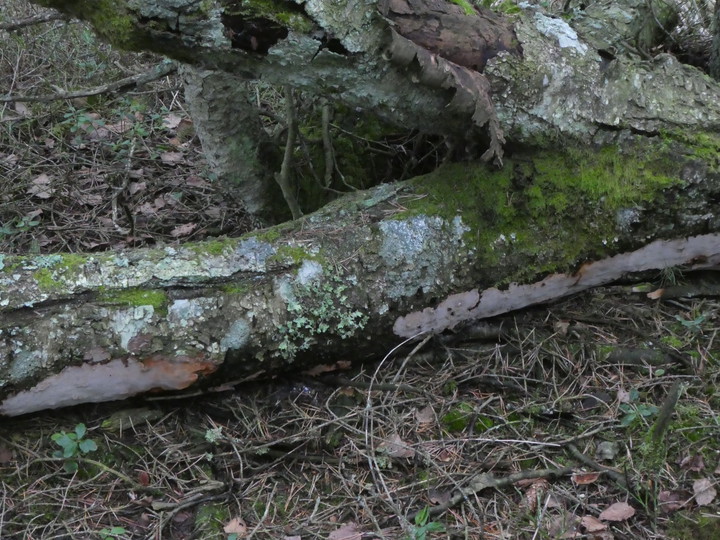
x,y
158,72
327,144
283,177
11,26
489,480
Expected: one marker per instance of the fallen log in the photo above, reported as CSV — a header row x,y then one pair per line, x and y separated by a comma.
x,y
354,279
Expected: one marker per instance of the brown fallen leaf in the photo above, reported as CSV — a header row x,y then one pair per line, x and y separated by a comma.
x,y
426,415
563,526
693,463
704,491
195,181
671,501
561,327
620,511
183,230
439,496
623,396
137,187
41,187
582,479
22,109
535,493
397,448
143,478
348,531
171,121
236,526
182,516
171,157
592,524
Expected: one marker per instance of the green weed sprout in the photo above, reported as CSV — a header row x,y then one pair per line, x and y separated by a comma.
x,y
73,445
112,534
423,526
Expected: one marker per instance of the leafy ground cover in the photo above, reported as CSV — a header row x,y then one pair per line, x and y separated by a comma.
x,y
593,418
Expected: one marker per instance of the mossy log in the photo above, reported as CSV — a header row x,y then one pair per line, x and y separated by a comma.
x,y
354,279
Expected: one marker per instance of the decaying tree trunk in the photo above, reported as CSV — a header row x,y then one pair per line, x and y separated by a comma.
x,y
530,77
398,261
351,280
229,127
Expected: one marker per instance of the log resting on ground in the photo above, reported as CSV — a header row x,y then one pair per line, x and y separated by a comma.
x,y
354,279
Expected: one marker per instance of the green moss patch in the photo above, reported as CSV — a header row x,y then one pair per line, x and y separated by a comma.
x,y
136,297
555,209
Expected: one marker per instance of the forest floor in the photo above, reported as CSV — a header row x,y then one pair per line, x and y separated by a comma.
x,y
597,417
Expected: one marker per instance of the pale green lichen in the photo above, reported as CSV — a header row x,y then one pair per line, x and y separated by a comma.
x,y
318,309
47,261
237,336
51,269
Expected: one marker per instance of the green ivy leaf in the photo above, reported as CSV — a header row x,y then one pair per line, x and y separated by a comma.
x,y
70,466
435,527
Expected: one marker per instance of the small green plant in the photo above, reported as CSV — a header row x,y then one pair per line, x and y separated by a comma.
x,y
423,526
112,533
694,325
73,445
20,225
634,412
670,276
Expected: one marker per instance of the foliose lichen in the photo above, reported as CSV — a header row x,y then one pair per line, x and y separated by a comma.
x,y
316,309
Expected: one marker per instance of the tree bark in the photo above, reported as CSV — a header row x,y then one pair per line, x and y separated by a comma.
x,y
231,133
542,79
714,67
